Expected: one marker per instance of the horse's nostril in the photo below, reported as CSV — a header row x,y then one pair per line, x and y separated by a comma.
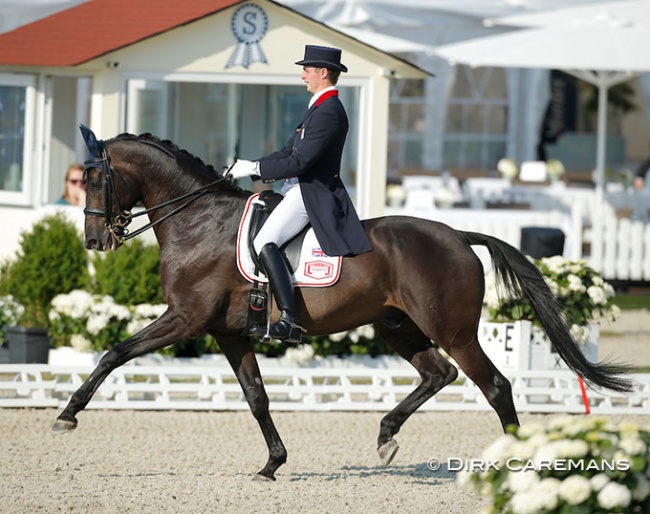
x,y
91,244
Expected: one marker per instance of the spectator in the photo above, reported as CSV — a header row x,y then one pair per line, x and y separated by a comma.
x,y
75,190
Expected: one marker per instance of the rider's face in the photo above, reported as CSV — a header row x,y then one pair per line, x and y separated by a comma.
x,y
314,78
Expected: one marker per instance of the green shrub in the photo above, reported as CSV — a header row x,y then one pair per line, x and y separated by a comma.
x,y
52,259
131,275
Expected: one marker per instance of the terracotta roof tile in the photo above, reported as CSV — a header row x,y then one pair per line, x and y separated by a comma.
x,y
94,28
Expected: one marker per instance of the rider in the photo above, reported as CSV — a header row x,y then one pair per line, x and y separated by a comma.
x,y
310,163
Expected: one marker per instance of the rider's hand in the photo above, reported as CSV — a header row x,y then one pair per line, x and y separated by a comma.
x,y
243,168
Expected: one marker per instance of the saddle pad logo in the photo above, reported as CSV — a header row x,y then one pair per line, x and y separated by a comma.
x,y
319,270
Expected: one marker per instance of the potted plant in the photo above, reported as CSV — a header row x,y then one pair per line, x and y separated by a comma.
x,y
10,313
51,259
585,297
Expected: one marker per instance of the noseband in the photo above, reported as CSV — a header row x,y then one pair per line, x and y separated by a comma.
x,y
117,223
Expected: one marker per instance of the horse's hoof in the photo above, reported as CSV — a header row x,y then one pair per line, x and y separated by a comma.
x,y
387,451
263,478
61,426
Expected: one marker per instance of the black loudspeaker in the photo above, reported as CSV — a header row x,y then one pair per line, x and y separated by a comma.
x,y
541,242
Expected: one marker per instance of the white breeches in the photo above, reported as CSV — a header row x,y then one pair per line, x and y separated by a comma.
x,y
284,222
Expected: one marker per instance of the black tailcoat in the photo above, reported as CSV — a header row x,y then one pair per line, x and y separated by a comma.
x,y
313,154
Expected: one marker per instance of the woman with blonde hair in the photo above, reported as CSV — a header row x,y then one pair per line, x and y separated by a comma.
x,y
75,190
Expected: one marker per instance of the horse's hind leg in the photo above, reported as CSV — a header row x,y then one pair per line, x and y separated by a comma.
x,y
436,373
240,355
495,387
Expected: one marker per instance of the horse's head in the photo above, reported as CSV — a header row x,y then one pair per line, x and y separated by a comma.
x,y
109,198
129,169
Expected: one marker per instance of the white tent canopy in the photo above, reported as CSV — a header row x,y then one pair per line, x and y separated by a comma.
x,y
619,13
14,13
600,53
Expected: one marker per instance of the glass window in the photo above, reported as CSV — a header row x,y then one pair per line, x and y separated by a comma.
x,y
16,119
219,122
407,125
476,124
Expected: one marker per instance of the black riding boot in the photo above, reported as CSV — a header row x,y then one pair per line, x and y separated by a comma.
x,y
287,328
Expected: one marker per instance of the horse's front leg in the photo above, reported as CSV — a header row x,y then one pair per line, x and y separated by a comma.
x,y
165,331
240,355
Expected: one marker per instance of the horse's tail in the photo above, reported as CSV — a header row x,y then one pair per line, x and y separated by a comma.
x,y
520,275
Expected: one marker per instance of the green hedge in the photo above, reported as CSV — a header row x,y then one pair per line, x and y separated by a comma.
x,y
51,259
130,275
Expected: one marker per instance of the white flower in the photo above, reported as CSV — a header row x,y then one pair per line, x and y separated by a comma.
x,y
614,495
554,168
574,425
542,495
522,481
547,492
575,489
339,336
579,333
136,325
499,450
75,304
530,429
632,446
524,503
523,450
597,295
80,343
301,354
10,310
575,284
507,168
119,312
599,481
367,332
96,322
555,264
145,310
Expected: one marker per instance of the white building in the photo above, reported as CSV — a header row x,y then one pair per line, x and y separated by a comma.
x,y
217,77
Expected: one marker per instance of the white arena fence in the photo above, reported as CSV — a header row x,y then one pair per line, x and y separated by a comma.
x,y
294,389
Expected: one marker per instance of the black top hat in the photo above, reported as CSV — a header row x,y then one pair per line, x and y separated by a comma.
x,y
323,57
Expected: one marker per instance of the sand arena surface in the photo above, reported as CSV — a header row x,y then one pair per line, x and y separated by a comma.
x,y
203,462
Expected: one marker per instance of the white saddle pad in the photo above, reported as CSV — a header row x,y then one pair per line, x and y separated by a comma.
x,y
315,269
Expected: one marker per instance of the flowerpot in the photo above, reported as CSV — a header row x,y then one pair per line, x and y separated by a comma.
x,y
4,353
28,345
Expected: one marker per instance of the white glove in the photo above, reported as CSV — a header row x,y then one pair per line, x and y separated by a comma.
x,y
243,168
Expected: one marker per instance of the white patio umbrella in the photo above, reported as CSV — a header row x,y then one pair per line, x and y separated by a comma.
x,y
601,52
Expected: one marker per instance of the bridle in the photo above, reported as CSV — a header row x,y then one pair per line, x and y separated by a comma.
x,y
117,223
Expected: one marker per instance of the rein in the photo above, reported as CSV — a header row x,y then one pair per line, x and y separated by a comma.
x,y
117,224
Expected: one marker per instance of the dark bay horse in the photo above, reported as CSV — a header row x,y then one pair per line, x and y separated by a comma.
x,y
421,282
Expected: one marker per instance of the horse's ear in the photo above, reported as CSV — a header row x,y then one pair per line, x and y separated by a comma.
x,y
95,147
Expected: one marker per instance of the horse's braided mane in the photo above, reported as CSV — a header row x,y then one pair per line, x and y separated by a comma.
x,y
168,147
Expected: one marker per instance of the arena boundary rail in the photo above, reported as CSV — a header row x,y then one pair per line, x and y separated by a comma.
x,y
294,389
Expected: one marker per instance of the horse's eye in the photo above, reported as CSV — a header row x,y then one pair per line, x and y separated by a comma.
x,y
94,185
